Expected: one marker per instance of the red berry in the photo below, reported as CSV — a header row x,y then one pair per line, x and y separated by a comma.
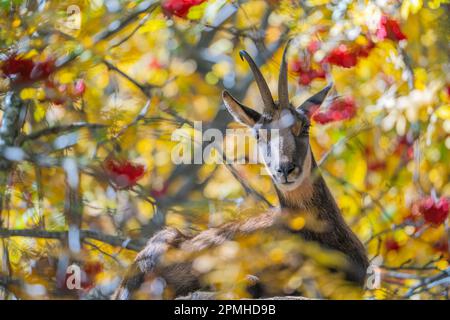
x,y
296,66
389,29
376,165
340,109
18,68
348,56
342,56
93,268
306,73
405,143
123,173
313,46
305,79
442,245
179,8
391,244
79,88
25,71
154,64
434,212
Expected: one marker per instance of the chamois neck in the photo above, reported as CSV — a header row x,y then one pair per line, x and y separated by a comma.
x,y
313,197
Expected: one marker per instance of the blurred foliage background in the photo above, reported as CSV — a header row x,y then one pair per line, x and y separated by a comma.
x,y
91,92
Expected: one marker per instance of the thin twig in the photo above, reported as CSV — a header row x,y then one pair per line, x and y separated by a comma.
x,y
113,257
126,38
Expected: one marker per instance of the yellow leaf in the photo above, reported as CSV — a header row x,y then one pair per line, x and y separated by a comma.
x,y
410,6
297,223
434,4
16,23
153,25
442,264
145,209
196,12
28,93
66,77
30,54
312,3
444,112
40,94
348,204
144,146
357,173
39,112
420,78
276,255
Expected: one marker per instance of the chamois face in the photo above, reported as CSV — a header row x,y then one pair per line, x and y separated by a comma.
x,y
283,143
282,138
281,130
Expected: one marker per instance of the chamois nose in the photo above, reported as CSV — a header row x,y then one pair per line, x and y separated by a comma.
x,y
286,169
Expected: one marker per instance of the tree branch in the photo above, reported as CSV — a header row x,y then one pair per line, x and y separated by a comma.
x,y
112,240
59,129
443,278
206,295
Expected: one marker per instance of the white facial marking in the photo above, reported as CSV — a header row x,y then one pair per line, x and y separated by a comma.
x,y
286,119
276,145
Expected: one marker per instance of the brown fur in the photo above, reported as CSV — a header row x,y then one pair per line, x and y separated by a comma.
x,y
295,168
337,234
312,197
180,277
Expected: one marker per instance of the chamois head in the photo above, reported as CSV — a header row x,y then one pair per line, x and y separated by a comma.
x,y
282,130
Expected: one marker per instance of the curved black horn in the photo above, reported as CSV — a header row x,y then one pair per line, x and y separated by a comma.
x,y
283,94
269,104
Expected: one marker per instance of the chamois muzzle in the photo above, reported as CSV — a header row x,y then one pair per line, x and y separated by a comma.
x,y
285,170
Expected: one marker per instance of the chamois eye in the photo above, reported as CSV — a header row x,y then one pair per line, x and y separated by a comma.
x,y
300,129
305,129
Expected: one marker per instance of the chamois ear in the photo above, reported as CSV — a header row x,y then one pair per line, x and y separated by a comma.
x,y
240,112
314,102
